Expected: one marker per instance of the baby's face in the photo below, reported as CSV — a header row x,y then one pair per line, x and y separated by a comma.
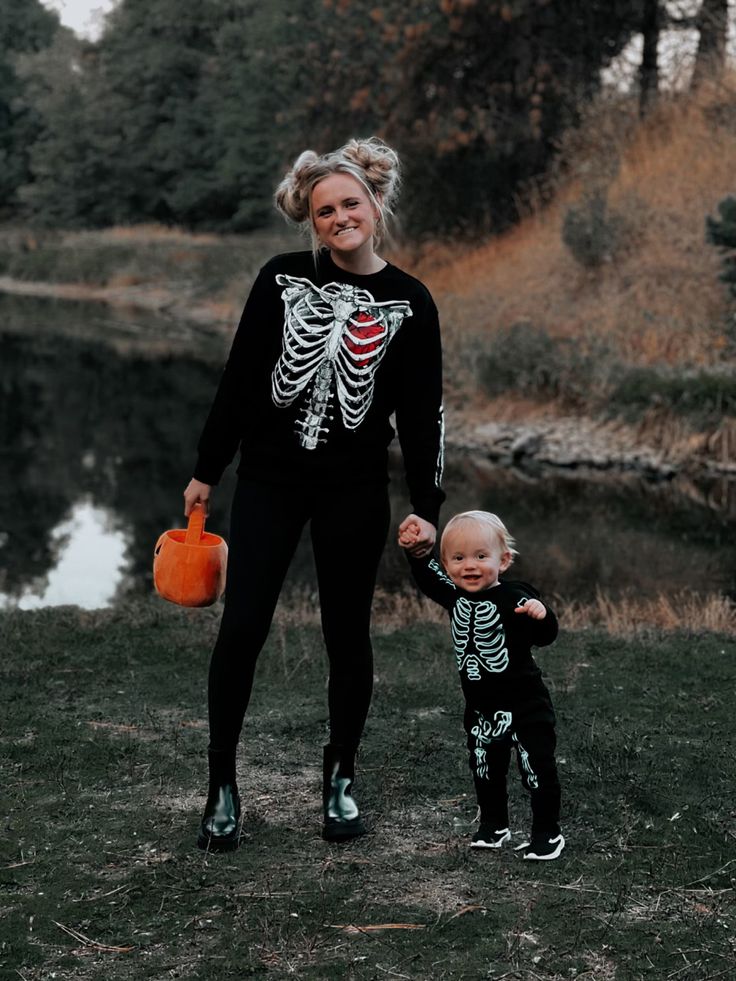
x,y
474,558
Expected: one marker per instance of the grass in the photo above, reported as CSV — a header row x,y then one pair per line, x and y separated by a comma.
x,y
103,740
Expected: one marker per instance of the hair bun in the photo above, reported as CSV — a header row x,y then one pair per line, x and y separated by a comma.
x,y
292,194
378,161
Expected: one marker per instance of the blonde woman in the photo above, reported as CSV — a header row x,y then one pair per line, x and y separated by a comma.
x,y
332,343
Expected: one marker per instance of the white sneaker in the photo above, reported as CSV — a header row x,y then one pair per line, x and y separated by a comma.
x,y
486,837
543,849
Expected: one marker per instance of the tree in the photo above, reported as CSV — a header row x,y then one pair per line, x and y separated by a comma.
x,y
25,26
649,68
712,23
152,128
168,118
260,72
63,186
190,115
488,89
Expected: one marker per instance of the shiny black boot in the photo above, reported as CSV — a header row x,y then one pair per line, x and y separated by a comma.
x,y
342,818
220,827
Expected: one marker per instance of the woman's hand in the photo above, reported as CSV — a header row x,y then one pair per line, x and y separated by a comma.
x,y
422,533
197,493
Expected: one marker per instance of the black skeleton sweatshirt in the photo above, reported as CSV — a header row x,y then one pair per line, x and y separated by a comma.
x,y
493,643
320,361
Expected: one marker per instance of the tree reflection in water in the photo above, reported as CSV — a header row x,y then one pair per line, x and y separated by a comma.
x,y
98,410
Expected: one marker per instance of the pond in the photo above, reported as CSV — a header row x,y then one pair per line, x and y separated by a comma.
x,y
99,418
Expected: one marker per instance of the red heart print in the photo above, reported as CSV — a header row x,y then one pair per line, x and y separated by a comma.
x,y
372,328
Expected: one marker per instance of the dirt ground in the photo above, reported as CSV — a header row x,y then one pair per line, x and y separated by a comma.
x,y
103,748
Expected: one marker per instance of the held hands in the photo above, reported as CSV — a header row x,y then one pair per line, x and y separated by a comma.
x,y
408,533
197,493
417,536
533,608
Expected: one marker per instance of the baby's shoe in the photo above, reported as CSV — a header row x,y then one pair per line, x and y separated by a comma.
x,y
542,847
486,837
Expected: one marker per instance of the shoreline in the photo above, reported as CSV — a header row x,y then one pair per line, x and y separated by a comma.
x,y
537,438
583,444
155,299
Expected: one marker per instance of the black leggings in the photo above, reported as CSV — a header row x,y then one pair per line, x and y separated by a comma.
x,y
348,530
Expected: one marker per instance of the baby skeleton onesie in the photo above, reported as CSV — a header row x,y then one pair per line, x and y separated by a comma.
x,y
507,703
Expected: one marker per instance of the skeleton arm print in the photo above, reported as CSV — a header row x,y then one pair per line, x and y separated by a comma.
x,y
432,580
419,412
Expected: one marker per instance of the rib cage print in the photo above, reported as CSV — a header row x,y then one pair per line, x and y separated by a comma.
x,y
479,638
335,337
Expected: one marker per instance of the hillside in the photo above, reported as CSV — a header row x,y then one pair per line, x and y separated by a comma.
x,y
641,345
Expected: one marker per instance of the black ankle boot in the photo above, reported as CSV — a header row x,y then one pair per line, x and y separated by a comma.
x,y
220,827
342,818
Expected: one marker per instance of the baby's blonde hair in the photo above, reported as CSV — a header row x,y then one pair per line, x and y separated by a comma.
x,y
371,162
486,521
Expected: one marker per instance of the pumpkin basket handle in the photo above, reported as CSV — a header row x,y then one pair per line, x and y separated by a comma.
x,y
195,528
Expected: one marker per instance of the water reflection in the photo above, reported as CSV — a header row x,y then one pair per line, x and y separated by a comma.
x,y
621,534
83,419
104,430
90,564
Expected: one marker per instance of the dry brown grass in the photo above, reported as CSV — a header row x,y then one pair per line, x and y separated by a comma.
x,y
619,616
659,300
147,233
625,617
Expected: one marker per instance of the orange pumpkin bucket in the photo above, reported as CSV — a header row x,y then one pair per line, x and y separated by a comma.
x,y
189,563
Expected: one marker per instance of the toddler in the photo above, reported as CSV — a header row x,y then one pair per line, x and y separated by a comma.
x,y
494,624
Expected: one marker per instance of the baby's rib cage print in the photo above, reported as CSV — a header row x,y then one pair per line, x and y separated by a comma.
x,y
481,623
335,337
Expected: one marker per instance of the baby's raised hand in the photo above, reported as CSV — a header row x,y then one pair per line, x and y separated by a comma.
x,y
533,608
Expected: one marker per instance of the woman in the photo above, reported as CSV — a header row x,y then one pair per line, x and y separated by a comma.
x,y
331,343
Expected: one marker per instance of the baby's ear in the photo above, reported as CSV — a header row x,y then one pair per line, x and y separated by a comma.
x,y
506,560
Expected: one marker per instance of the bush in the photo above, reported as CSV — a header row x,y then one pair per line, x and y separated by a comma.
x,y
525,359
590,231
704,396
722,234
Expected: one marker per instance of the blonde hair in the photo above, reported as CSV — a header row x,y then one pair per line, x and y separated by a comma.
x,y
481,520
371,162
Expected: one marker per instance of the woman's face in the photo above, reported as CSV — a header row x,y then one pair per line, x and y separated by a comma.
x,y
344,217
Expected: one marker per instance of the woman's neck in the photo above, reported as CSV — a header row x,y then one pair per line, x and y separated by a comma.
x,y
358,262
